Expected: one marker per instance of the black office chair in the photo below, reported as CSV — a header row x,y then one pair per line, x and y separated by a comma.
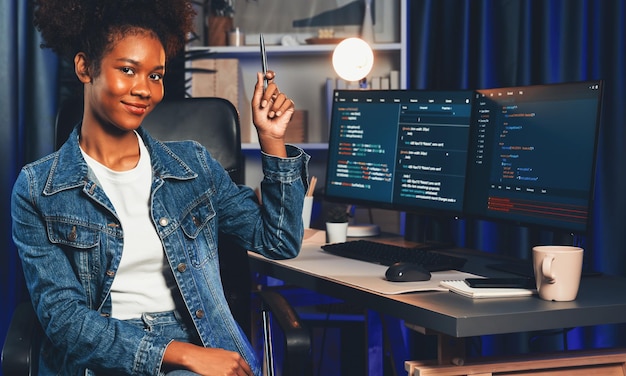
x,y
214,122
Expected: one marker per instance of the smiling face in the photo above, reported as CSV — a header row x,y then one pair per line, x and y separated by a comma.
x,y
129,83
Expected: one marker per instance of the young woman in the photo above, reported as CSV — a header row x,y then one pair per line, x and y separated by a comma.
x,y
117,232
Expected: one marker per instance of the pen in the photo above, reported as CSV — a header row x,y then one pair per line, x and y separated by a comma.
x,y
263,60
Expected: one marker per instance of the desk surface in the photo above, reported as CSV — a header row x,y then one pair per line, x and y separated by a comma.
x,y
601,300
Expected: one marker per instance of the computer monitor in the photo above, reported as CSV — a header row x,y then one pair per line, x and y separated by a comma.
x,y
532,155
399,149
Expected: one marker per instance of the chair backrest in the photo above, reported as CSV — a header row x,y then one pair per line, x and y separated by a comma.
x,y
214,123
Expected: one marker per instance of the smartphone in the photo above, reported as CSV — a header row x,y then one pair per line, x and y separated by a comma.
x,y
520,283
263,60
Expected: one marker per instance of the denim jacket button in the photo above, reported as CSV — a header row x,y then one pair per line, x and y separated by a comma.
x,y
181,267
110,273
163,221
199,313
72,236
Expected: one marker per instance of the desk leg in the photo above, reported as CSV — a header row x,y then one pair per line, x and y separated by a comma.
x,y
450,350
396,345
374,343
387,345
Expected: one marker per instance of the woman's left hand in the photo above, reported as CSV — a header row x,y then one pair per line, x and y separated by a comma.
x,y
271,113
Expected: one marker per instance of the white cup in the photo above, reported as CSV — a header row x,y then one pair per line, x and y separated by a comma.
x,y
307,206
557,271
336,232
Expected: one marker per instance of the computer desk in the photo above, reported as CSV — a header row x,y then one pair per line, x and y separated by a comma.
x,y
601,299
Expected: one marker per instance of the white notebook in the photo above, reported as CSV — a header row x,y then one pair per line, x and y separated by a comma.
x,y
460,287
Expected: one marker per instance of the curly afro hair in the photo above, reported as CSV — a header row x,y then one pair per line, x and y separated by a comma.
x,y
92,26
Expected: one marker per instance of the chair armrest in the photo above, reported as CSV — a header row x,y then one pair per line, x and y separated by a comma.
x,y
297,359
20,351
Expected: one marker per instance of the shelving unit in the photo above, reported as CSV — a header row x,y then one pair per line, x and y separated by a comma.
x,y
302,72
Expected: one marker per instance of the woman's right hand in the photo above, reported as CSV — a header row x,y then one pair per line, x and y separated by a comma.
x,y
205,361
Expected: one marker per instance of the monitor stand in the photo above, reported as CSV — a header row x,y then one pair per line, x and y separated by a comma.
x,y
361,230
428,229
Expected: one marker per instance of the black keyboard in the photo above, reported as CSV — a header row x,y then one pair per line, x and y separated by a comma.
x,y
387,254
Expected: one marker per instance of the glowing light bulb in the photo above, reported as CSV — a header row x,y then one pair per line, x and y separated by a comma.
x,y
353,59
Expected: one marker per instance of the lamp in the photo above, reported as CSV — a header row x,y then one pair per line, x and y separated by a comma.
x,y
353,59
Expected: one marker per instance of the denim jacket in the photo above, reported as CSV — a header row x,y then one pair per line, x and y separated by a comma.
x,y
70,242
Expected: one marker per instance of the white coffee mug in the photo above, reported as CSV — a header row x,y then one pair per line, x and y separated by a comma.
x,y
557,271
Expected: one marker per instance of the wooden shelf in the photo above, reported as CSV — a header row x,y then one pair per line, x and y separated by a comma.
x,y
312,49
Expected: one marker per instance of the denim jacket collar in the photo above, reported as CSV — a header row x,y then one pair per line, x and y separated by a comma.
x,y
166,164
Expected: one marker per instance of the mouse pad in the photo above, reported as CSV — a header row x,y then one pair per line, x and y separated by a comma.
x,y
381,285
313,260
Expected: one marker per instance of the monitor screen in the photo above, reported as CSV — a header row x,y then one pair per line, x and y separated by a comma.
x,y
399,149
532,155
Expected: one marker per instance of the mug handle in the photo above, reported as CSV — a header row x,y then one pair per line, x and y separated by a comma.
x,y
546,268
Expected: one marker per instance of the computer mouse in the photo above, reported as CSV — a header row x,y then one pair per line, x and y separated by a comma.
x,y
406,272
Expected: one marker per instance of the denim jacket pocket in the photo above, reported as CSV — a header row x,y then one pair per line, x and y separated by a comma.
x,y
197,222
83,242
72,234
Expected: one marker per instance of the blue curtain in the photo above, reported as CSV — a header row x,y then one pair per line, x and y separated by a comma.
x,y
473,44
27,109
497,43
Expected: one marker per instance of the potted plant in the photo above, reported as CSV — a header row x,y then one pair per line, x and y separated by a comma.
x,y
222,8
337,218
